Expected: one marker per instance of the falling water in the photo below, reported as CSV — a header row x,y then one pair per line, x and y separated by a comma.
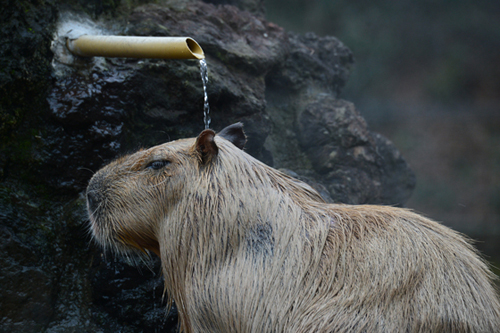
x,y
204,78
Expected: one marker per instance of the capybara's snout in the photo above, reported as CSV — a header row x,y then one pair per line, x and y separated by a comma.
x,y
94,194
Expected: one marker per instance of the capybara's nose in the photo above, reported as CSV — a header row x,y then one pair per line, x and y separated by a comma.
x,y
92,201
94,192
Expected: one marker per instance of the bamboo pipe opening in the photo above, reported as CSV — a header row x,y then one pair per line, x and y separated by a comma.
x,y
135,47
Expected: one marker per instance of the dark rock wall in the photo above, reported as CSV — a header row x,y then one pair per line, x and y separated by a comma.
x,y
62,118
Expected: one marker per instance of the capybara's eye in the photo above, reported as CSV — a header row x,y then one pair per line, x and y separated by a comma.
x,y
157,165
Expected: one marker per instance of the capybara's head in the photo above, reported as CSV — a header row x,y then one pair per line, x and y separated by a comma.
x,y
129,198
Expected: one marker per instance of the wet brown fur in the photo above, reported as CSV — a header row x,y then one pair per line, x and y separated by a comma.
x,y
245,248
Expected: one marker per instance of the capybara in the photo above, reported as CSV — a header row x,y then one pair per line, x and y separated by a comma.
x,y
246,248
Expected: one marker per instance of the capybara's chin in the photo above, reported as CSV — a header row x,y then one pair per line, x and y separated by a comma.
x,y
245,248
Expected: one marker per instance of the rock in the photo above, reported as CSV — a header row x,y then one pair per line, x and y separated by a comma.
x,y
27,289
324,139
313,62
63,117
356,166
253,6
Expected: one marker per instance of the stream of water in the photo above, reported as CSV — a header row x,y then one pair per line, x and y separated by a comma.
x,y
206,107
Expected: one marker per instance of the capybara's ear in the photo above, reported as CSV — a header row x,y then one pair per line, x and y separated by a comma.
x,y
235,134
205,146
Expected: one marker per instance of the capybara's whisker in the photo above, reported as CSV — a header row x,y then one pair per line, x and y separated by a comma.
x,y
160,183
86,169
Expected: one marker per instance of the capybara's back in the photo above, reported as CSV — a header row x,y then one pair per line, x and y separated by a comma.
x,y
245,248
396,271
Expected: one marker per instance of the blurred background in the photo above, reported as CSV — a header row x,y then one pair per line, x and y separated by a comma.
x,y
427,76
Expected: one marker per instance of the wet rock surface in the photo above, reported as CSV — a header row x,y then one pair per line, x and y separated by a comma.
x,y
63,119
357,166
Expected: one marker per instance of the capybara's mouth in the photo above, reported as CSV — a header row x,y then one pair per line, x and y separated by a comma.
x,y
93,209
95,206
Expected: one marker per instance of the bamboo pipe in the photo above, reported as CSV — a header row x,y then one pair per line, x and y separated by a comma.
x,y
135,47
